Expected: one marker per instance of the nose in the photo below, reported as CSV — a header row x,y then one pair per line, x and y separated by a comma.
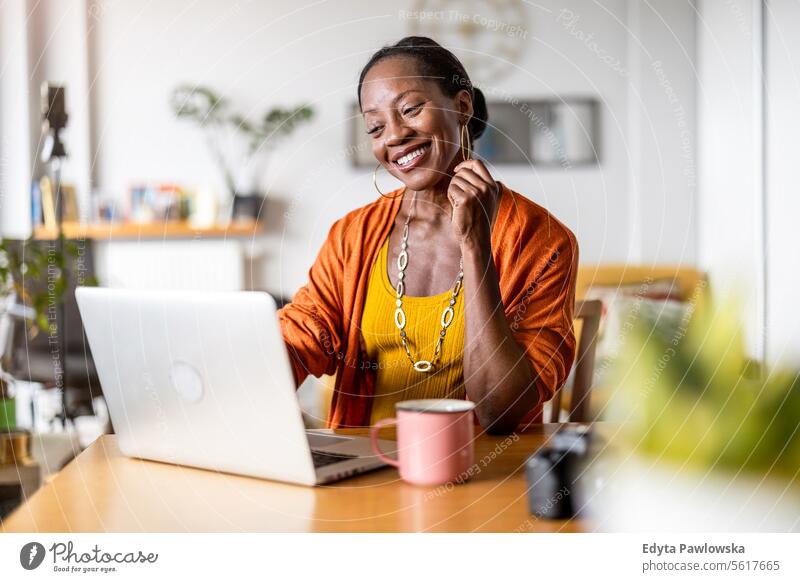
x,y
397,133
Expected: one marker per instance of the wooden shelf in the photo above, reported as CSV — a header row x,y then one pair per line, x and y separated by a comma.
x,y
148,231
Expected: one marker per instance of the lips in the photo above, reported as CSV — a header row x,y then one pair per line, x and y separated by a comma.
x,y
411,157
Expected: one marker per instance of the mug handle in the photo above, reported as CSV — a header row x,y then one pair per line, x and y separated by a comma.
x,y
373,437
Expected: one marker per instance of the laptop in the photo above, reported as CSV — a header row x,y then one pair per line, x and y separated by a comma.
x,y
203,379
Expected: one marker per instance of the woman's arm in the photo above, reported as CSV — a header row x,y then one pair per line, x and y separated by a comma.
x,y
311,324
516,358
497,375
509,367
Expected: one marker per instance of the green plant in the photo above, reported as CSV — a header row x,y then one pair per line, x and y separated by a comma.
x,y
35,273
213,113
687,395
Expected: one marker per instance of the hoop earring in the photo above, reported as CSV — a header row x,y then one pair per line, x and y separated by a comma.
x,y
466,150
375,183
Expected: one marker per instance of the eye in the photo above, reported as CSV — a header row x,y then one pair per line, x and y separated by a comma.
x,y
414,109
374,130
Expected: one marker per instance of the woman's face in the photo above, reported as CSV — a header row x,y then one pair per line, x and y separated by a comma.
x,y
413,126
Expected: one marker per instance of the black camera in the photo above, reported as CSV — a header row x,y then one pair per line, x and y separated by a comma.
x,y
54,119
554,474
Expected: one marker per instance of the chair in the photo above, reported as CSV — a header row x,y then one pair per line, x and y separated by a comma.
x,y
614,284
588,313
684,281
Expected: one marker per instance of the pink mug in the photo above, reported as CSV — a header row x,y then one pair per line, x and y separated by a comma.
x,y
434,440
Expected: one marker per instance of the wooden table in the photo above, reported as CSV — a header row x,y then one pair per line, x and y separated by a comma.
x,y
101,490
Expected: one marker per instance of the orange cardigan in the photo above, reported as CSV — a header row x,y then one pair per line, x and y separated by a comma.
x,y
536,258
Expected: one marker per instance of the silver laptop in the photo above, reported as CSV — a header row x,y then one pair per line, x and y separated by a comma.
x,y
203,379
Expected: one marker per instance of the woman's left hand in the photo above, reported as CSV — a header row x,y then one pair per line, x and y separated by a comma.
x,y
474,195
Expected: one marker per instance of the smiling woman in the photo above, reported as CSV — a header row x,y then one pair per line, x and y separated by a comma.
x,y
411,295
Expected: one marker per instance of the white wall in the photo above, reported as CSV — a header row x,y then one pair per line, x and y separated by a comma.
x,y
40,41
637,58
662,117
637,205
681,98
782,201
749,128
729,145
15,153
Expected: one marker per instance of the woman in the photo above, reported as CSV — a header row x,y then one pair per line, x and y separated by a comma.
x,y
451,286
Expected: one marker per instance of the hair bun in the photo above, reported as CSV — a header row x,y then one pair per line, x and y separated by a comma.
x,y
480,114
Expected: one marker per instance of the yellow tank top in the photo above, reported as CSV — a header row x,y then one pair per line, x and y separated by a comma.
x,y
396,379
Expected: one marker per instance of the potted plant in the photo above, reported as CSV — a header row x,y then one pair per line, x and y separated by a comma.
x,y
234,141
19,262
706,440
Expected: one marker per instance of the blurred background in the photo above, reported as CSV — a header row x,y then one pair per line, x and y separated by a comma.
x,y
210,145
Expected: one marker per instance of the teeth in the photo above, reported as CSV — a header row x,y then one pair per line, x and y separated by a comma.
x,y
408,157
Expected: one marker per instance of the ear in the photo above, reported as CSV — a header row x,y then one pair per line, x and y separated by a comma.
x,y
463,104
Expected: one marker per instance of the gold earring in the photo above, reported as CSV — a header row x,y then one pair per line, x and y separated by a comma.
x,y
375,183
466,143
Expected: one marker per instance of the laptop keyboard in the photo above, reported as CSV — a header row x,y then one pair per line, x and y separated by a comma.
x,y
322,459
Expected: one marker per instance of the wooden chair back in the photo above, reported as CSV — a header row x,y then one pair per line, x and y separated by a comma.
x,y
588,312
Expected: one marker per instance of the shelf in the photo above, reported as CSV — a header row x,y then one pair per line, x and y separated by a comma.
x,y
148,231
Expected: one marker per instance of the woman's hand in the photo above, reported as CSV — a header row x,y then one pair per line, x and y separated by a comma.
x,y
474,195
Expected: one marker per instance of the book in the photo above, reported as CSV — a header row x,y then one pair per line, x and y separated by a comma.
x,y
70,202
48,203
36,204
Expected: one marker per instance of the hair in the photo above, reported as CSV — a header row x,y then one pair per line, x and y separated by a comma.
x,y
439,65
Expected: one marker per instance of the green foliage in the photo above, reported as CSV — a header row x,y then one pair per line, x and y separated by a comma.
x,y
35,273
198,104
211,111
685,396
